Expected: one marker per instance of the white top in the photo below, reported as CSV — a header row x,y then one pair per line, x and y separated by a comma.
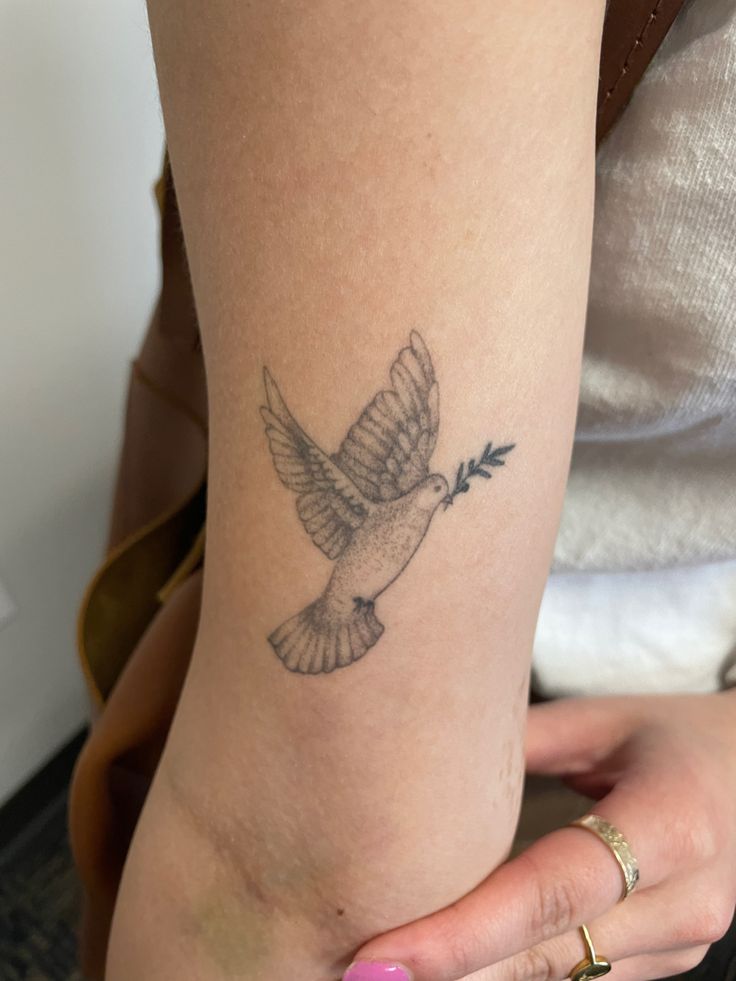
x,y
643,597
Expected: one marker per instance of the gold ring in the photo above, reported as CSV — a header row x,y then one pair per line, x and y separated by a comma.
x,y
618,845
591,966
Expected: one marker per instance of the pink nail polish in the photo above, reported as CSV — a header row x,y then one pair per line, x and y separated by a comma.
x,y
376,971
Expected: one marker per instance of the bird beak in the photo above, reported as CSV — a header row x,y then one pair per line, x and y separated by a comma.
x,y
447,500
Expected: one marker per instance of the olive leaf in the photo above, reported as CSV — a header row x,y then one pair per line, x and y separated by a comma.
x,y
476,468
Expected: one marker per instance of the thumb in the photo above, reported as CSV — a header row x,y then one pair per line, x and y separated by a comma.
x,y
571,735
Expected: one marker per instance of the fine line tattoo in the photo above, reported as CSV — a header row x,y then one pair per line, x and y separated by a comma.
x,y
367,507
477,468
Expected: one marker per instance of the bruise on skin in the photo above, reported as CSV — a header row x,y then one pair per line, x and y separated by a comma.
x,y
243,940
261,880
238,919
233,936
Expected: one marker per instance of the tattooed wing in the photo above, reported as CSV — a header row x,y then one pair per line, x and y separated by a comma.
x,y
387,452
330,506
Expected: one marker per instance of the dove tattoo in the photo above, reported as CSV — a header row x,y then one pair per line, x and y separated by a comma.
x,y
367,507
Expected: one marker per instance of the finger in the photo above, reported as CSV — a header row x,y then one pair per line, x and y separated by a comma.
x,y
571,735
647,967
643,967
677,916
654,967
564,879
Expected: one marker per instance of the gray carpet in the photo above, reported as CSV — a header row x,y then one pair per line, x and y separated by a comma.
x,y
39,904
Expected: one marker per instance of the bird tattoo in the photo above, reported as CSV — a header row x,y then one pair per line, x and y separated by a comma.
x,y
367,507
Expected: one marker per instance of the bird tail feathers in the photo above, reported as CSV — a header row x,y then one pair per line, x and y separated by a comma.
x,y
315,641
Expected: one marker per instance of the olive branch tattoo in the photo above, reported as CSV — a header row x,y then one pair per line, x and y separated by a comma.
x,y
475,468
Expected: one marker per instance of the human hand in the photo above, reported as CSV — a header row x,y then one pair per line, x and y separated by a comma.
x,y
663,770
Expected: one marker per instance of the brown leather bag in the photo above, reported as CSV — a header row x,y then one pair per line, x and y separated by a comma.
x,y
139,616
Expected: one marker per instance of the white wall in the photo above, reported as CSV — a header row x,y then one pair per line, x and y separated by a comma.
x,y
80,148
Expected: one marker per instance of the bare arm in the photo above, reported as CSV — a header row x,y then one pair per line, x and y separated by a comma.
x,y
348,174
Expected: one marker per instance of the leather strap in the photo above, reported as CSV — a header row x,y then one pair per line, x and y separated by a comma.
x,y
632,32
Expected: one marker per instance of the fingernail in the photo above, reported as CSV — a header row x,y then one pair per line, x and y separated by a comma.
x,y
376,971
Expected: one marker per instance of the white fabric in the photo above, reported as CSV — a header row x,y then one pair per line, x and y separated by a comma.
x,y
652,488
652,480
615,633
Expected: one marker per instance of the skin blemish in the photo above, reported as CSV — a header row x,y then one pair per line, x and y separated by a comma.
x,y
233,937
